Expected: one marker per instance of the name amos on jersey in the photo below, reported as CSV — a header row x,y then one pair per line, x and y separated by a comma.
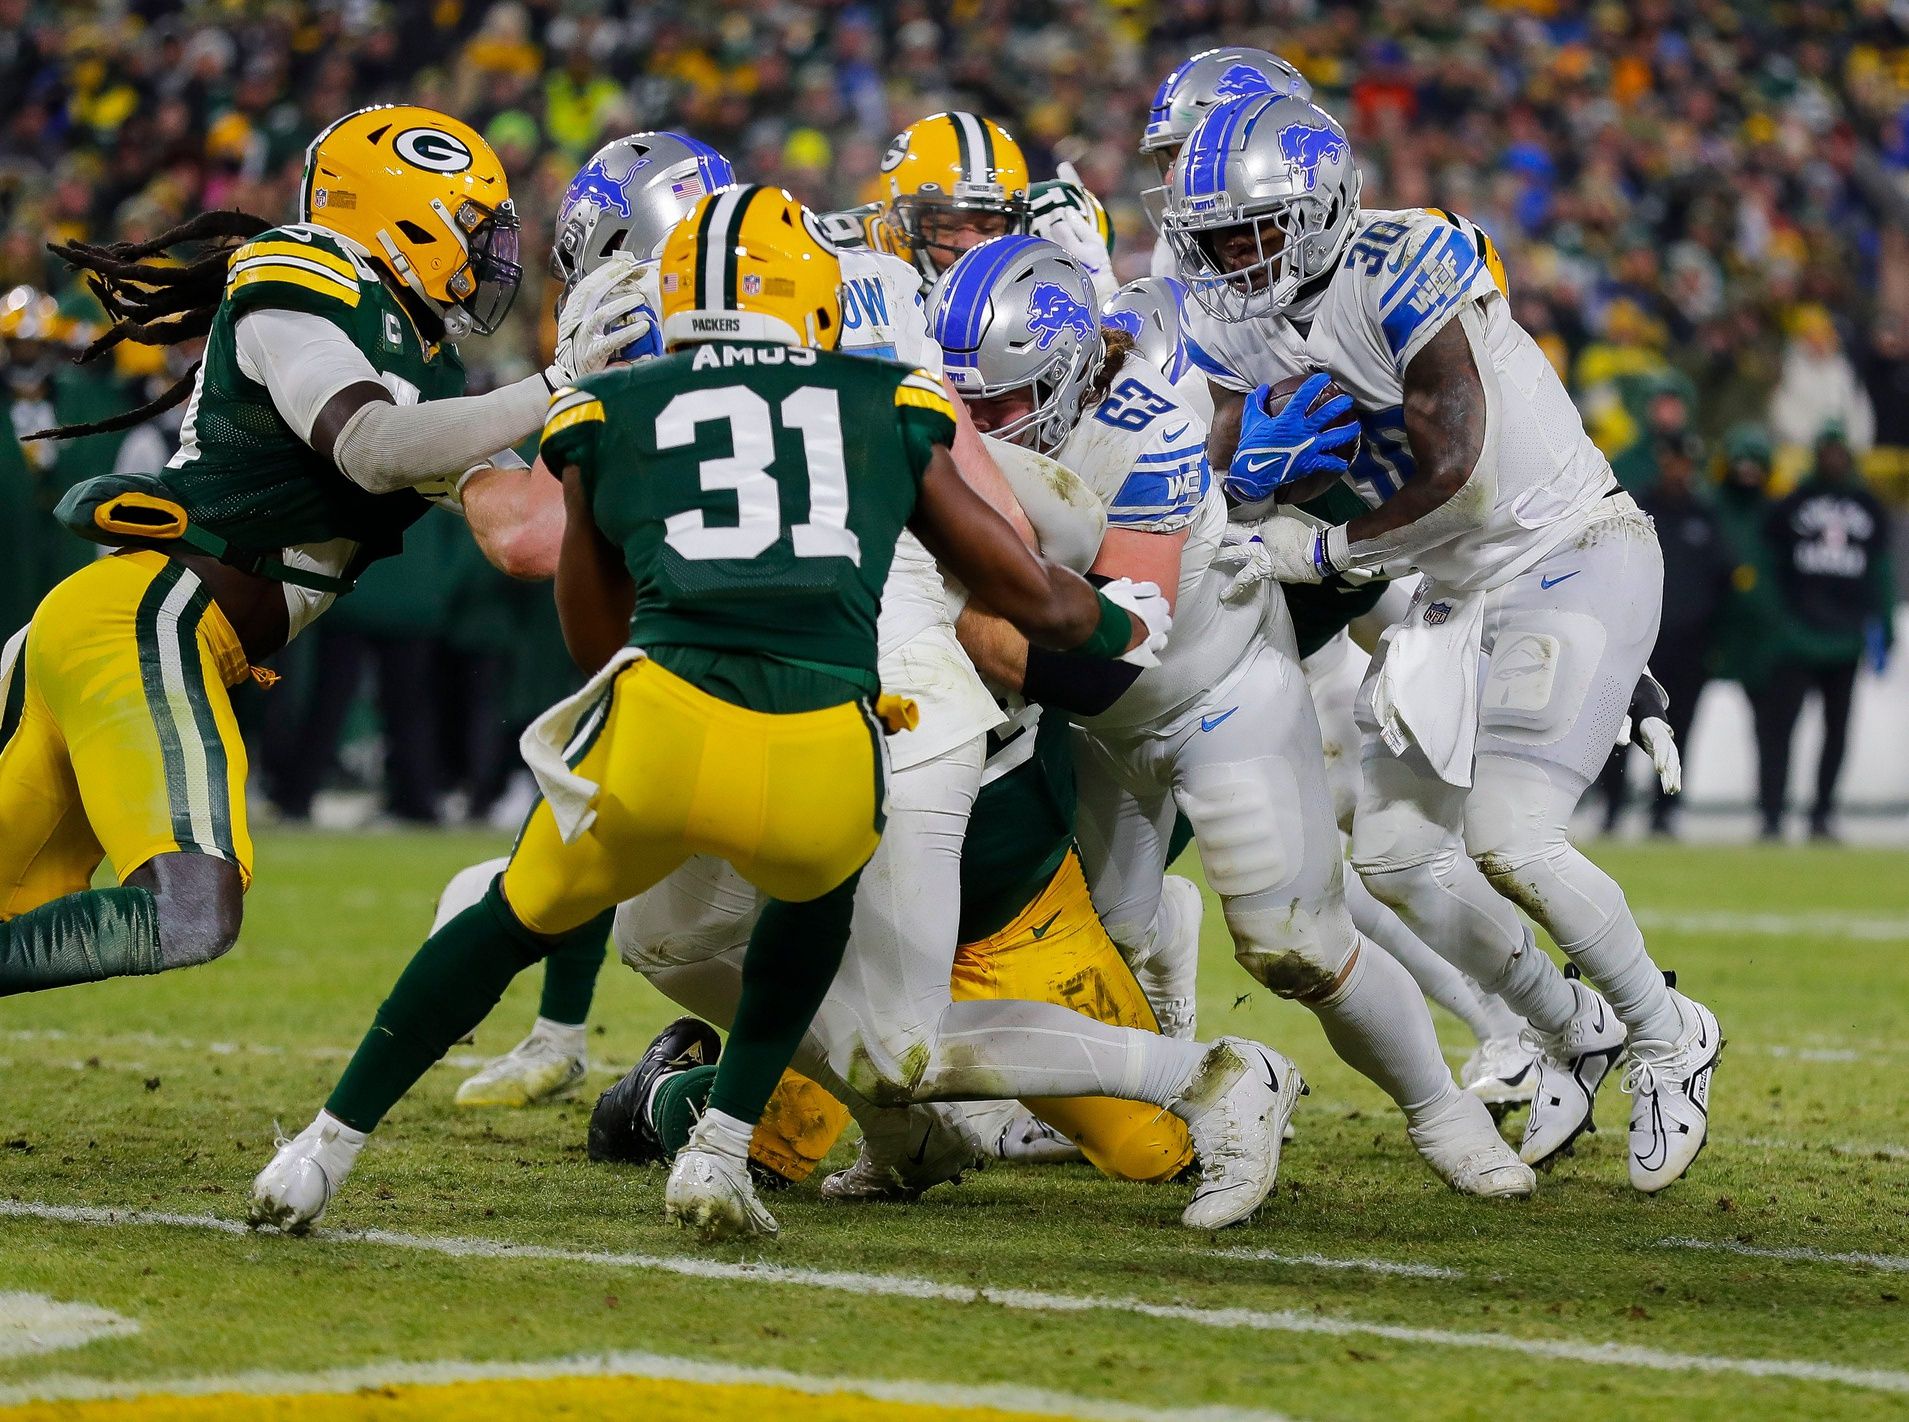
x,y
722,356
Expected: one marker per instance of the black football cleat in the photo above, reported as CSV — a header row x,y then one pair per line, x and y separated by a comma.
x,y
620,1128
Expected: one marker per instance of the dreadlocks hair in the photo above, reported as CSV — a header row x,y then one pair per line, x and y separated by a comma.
x,y
154,304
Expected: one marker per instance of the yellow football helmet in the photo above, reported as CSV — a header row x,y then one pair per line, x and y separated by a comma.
x,y
425,195
948,164
750,264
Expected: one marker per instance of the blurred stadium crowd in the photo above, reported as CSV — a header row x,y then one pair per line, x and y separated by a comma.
x,y
1703,205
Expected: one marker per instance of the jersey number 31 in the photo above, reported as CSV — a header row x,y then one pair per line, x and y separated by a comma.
x,y
814,413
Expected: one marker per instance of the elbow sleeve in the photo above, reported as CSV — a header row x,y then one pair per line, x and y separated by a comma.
x,y
385,447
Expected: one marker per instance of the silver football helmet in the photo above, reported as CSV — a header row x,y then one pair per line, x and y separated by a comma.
x,y
628,197
1272,167
1149,311
1013,313
1208,78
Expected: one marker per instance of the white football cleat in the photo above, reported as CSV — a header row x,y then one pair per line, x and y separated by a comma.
x,y
540,1068
1572,1064
1502,1073
293,1190
1236,1109
714,1197
1462,1145
1169,975
940,1156
1669,1087
1021,1135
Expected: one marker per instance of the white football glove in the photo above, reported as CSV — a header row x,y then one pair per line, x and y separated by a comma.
x,y
596,324
1653,732
1281,548
1149,606
1065,219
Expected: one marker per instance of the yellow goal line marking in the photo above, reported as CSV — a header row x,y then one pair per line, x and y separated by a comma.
x,y
915,1288
603,1385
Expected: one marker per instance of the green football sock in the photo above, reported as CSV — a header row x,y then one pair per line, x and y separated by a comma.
x,y
570,972
80,938
679,1099
450,986
791,960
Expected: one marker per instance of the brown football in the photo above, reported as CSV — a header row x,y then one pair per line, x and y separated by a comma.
x,y
1276,398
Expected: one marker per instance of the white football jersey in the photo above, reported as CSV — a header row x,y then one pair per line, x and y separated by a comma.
x,y
1405,275
1144,453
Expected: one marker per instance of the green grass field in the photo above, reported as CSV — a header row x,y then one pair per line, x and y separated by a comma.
x,y
1364,1290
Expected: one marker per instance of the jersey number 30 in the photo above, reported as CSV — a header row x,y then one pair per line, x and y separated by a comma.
x,y
814,413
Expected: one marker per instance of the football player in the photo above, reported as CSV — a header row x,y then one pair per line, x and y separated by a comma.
x,y
1501,1071
755,580
1222,730
1494,703
328,404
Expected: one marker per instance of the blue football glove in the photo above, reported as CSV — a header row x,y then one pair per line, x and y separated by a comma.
x,y
1294,444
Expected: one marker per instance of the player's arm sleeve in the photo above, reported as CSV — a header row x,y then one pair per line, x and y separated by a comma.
x,y
1168,482
301,359
926,416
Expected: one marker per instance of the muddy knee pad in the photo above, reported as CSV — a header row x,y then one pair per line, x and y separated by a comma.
x,y
1295,950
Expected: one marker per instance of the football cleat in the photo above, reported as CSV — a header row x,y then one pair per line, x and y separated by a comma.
x,y
938,1156
1669,1087
620,1128
295,1187
1572,1064
539,1068
1027,1138
1462,1145
1236,1108
1502,1073
713,1197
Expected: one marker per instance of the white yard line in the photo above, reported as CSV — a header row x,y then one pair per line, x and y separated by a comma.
x,y
1890,1263
649,1366
1321,1261
1727,923
903,1286
34,1323
1871,1149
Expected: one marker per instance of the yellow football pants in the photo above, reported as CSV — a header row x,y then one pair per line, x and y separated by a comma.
x,y
1055,951
118,740
793,801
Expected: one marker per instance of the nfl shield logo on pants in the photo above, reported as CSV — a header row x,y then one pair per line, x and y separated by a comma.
x,y
1436,613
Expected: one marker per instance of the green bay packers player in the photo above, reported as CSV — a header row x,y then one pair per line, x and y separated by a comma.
x,y
330,395
733,511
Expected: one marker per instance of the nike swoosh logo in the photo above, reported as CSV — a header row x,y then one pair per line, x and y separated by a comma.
x,y
1253,466
1175,434
1545,582
1041,931
921,1151
1207,723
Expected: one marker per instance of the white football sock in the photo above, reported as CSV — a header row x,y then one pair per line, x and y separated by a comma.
x,y
567,1037
1376,1020
721,1134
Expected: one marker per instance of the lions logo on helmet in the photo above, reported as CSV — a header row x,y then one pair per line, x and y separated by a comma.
x,y
1306,146
423,195
1051,312
628,197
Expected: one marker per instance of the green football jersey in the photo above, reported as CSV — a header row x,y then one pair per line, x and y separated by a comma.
x,y
1022,824
1322,611
756,492
243,473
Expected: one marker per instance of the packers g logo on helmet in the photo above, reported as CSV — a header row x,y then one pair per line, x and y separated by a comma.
x,y
947,172
750,264
424,194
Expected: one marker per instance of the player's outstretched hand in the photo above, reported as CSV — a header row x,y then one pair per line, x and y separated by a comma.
x,y
1297,441
1149,607
1281,549
599,320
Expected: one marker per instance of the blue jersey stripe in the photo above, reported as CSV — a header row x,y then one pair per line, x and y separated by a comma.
x,y
1200,357
1174,456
